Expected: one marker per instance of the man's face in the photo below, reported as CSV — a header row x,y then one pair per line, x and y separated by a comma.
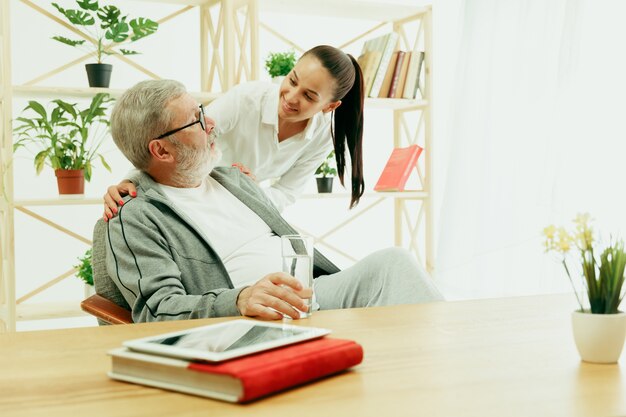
x,y
195,150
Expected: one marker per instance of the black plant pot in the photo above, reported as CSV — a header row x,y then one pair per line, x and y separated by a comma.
x,y
99,75
324,184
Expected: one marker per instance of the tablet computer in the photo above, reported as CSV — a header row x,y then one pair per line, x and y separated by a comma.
x,y
227,340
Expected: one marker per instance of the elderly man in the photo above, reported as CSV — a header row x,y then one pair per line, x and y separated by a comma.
x,y
203,242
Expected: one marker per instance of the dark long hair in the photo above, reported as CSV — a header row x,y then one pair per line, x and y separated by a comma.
x,y
347,123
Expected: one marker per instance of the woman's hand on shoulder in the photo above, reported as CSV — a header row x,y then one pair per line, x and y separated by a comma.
x,y
113,197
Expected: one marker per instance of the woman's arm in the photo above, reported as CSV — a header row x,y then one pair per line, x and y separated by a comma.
x,y
224,110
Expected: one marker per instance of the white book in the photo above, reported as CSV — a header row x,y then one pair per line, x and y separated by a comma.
x,y
369,61
390,44
413,75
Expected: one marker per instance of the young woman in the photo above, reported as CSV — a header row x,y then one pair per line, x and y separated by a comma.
x,y
283,133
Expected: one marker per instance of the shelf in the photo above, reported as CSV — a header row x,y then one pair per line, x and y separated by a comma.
x,y
182,2
55,310
88,92
404,195
221,44
395,103
59,201
78,201
367,9
205,97
361,10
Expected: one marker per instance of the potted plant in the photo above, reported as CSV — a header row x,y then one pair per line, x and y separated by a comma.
x,y
85,272
112,29
599,330
326,171
66,138
278,64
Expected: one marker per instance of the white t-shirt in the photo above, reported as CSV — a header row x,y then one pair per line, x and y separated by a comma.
x,y
246,123
244,242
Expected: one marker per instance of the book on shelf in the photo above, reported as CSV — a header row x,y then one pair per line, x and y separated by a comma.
x,y
396,74
368,61
402,76
398,168
242,379
387,45
384,88
413,74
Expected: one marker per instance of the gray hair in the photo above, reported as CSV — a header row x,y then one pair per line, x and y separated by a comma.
x,y
140,115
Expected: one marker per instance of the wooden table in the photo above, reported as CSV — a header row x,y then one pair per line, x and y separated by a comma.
x,y
499,357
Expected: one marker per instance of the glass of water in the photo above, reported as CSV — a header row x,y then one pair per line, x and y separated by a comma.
x,y
297,251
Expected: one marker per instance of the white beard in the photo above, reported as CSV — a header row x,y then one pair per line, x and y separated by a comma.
x,y
195,164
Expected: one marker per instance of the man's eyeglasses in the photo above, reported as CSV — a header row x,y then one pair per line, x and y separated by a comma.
x,y
201,120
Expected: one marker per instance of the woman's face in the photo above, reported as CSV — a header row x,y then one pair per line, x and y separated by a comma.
x,y
308,89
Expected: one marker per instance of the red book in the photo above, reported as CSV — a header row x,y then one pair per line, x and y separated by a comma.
x,y
402,76
398,168
243,379
395,78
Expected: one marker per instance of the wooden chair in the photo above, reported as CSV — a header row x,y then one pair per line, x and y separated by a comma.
x,y
106,311
107,305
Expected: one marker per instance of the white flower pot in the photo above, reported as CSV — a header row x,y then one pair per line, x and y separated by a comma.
x,y
599,337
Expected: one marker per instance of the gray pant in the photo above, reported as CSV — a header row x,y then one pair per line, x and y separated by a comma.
x,y
387,277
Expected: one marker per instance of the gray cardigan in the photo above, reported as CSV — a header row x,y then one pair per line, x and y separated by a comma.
x,y
166,268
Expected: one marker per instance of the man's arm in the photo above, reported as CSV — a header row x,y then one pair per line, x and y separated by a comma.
x,y
141,263
276,293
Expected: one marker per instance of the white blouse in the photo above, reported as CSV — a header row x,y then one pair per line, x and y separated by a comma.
x,y
246,123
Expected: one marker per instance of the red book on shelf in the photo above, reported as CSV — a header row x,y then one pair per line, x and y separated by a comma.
x,y
243,379
402,76
398,168
396,74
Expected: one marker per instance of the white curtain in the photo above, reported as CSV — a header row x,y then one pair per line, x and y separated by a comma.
x,y
530,130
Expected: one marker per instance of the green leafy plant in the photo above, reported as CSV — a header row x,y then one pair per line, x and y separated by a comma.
x,y
112,28
83,269
280,63
604,279
65,137
327,168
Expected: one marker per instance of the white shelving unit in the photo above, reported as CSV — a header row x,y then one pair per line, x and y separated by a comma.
x,y
412,123
229,54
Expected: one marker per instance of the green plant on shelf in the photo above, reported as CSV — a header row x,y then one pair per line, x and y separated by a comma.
x,y
107,26
327,168
83,269
280,63
66,137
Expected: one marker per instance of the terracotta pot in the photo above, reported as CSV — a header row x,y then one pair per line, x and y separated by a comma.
x,y
599,337
324,184
99,75
70,181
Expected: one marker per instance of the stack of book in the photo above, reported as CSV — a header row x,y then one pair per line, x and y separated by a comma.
x,y
167,361
389,72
